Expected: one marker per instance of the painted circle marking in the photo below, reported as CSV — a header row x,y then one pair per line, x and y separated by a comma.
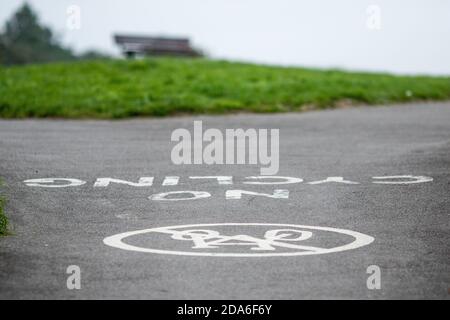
x,y
117,241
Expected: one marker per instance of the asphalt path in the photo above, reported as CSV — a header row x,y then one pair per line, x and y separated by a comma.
x,y
53,228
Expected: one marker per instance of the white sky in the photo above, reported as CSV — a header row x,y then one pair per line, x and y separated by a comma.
x,y
414,35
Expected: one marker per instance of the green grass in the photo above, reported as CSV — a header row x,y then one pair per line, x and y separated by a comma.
x,y
3,219
168,86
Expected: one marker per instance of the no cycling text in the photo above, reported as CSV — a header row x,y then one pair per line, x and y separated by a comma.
x,y
231,194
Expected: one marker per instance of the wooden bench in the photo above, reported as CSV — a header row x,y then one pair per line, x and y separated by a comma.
x,y
155,46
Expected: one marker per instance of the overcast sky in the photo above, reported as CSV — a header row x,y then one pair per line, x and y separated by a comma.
x,y
414,35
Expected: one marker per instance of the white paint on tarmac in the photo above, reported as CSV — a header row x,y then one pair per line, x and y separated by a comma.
x,y
205,238
143,182
284,180
333,179
405,179
54,182
190,195
171,181
220,179
237,194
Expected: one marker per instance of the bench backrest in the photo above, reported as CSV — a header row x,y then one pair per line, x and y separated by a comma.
x,y
140,44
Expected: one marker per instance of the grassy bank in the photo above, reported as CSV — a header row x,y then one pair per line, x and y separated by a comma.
x,y
166,86
3,219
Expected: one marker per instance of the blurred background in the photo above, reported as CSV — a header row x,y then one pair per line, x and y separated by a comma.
x,y
402,36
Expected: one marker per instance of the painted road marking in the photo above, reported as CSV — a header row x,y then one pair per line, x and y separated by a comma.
x,y
410,179
221,180
217,239
54,182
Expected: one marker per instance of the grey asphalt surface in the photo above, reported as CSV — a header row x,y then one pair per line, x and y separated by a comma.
x,y
55,228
